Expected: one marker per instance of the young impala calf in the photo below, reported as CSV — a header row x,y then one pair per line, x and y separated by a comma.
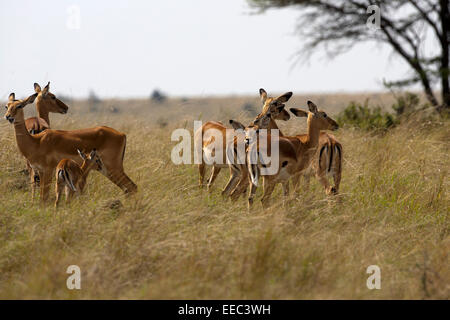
x,y
204,136
295,153
71,177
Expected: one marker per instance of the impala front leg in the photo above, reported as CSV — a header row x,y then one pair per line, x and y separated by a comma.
x,y
46,179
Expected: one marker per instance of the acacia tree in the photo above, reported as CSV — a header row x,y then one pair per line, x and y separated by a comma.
x,y
405,25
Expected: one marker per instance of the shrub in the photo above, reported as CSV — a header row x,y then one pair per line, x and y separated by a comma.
x,y
363,117
406,104
158,96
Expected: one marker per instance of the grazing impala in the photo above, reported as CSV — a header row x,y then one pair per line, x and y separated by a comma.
x,y
46,149
46,102
204,136
295,153
71,177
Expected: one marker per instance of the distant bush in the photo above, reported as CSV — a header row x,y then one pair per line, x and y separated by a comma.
x,y
93,101
158,96
363,117
406,104
249,107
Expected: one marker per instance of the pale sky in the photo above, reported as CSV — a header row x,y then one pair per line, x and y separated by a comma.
x,y
196,47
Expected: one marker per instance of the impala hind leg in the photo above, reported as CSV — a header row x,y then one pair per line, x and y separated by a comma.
x,y
240,188
201,174
58,191
120,179
45,186
214,172
69,194
325,183
285,186
234,179
251,195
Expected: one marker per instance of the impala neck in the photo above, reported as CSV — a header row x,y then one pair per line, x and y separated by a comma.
x,y
313,134
85,169
273,125
25,141
42,111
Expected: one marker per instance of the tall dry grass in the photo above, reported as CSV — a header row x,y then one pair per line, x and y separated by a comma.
x,y
174,241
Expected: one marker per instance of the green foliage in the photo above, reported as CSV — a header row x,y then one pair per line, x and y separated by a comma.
x,y
361,116
406,104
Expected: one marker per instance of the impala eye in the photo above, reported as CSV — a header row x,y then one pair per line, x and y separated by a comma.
x,y
324,115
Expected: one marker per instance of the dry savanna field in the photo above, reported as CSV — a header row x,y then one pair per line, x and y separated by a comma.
x,y
174,241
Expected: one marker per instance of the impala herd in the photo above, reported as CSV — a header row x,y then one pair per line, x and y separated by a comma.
x,y
71,155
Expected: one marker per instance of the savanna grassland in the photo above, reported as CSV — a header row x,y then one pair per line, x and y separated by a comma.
x,y
172,240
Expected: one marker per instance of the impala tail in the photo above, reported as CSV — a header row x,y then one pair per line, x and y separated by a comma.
x,y
63,175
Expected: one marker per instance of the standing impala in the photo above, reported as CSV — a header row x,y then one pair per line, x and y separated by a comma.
x,y
295,153
205,136
327,162
46,102
46,149
71,177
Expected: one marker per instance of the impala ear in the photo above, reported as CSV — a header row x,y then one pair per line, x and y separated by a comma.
x,y
312,107
263,95
299,112
46,89
28,100
81,154
237,125
37,87
283,115
284,97
12,97
93,153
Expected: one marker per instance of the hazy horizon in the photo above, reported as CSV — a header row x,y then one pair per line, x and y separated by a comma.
x,y
195,49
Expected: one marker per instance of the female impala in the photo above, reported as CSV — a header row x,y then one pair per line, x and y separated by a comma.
x,y
46,149
328,162
295,153
71,177
205,136
46,102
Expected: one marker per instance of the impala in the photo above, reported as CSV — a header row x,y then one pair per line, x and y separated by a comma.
x,y
328,162
71,177
46,102
295,153
44,150
238,171
205,136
